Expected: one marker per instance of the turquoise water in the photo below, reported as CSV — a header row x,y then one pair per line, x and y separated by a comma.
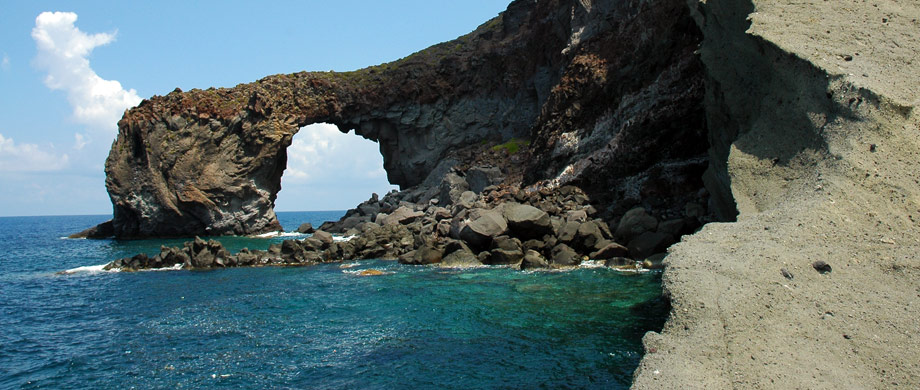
x,y
313,327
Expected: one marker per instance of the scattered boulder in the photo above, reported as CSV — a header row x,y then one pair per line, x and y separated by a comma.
x,y
480,231
428,254
481,177
576,216
467,199
674,227
527,221
655,261
451,187
649,243
505,250
460,258
588,235
323,237
533,259
565,256
634,223
568,231
306,228
609,250
402,216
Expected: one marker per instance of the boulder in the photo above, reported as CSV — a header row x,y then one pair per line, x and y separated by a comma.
x,y
649,243
634,223
568,231
467,199
402,216
505,250
565,256
588,236
674,227
427,254
526,221
460,258
655,261
576,216
451,187
609,250
480,231
306,228
102,230
479,178
323,237
533,259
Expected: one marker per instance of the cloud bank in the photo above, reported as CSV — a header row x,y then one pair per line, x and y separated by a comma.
x,y
28,158
62,52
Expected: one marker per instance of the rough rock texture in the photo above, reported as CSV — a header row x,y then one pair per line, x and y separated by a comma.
x,y
570,74
812,108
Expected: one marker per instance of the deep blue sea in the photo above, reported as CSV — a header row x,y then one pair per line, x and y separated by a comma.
x,y
319,327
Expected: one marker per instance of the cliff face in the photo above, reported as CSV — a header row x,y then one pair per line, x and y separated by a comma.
x,y
812,114
569,74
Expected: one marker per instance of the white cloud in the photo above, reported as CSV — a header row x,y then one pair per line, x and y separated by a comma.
x,y
62,52
5,63
28,157
322,151
79,141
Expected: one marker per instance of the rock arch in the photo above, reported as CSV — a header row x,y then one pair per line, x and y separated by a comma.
x,y
209,162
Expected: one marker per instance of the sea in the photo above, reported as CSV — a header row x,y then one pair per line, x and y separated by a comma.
x,y
66,324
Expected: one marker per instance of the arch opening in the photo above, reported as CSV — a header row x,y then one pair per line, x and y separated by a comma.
x,y
330,170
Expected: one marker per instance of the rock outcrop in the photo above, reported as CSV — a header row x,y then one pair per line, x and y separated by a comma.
x,y
500,226
812,112
611,88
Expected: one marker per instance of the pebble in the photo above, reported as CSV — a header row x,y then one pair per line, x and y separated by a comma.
x,y
786,273
821,266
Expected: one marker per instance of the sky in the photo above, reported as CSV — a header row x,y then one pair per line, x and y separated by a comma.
x,y
68,71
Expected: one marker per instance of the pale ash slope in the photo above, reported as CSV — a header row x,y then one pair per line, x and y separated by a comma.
x,y
821,151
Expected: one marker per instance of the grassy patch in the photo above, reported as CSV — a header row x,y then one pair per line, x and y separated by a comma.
x,y
512,146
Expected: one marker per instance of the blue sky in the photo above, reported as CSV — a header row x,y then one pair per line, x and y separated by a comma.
x,y
64,82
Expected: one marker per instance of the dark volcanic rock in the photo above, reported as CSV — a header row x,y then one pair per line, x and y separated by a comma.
x,y
527,221
649,243
609,250
306,228
102,230
533,259
565,256
480,231
580,80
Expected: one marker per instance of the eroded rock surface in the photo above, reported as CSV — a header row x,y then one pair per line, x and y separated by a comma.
x,y
569,74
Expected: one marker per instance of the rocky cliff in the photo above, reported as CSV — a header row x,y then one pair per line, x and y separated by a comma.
x,y
812,112
605,89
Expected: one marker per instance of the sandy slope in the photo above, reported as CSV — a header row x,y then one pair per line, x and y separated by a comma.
x,y
826,166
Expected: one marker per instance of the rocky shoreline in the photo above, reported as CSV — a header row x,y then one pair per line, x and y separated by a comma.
x,y
500,225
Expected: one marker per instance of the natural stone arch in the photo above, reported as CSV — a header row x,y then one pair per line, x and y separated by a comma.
x,y
209,162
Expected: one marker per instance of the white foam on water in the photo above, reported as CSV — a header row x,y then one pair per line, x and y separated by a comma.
x,y
175,267
592,264
278,234
342,239
89,269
